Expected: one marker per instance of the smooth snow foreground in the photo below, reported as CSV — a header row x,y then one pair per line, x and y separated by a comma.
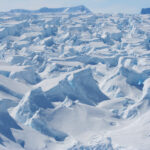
x,y
74,81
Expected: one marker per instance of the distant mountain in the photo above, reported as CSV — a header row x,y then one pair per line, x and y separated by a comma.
x,y
76,9
20,11
145,11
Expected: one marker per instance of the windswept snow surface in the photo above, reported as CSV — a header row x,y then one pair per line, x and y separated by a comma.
x,y
74,80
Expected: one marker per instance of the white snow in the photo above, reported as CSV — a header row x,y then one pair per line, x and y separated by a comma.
x,y
72,80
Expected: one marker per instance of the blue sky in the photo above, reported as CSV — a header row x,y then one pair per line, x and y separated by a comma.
x,y
115,6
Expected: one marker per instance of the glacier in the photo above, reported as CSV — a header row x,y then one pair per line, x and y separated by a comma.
x,y
71,79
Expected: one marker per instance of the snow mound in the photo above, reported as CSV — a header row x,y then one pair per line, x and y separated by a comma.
x,y
28,75
103,144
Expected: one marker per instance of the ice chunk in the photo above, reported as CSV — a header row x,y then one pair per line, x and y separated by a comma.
x,y
79,86
31,102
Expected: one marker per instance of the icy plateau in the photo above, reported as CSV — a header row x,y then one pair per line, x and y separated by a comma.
x,y
74,80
